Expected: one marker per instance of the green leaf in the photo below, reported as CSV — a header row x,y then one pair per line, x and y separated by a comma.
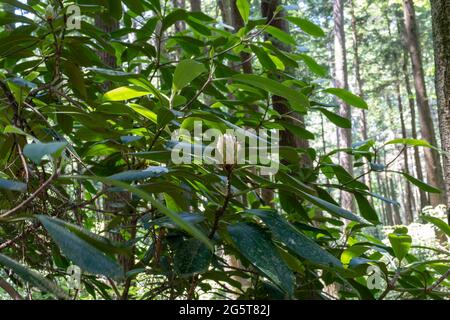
x,y
191,257
36,151
13,185
244,9
115,9
134,175
348,97
82,253
76,78
400,242
279,34
336,119
256,246
143,111
366,209
186,226
134,5
411,142
313,65
10,18
263,57
168,223
101,243
297,130
420,184
124,93
33,278
14,130
185,72
294,240
442,225
164,117
307,26
333,209
298,101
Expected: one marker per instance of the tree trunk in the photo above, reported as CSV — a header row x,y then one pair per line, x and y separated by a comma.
x,y
196,5
341,81
179,25
432,160
412,109
108,25
280,104
232,17
440,10
408,192
359,87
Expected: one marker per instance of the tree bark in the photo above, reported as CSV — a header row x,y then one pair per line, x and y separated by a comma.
x,y
440,10
412,109
359,87
432,160
341,81
196,5
108,25
179,25
409,200
232,17
280,104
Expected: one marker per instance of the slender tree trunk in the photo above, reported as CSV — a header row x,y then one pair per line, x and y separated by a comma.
x,y
394,195
359,86
8,8
412,109
196,5
108,25
440,10
280,104
380,190
179,25
341,81
232,17
408,193
388,195
432,160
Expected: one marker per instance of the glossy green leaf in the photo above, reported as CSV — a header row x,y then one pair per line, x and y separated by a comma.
x,y
279,34
442,225
185,72
422,185
244,9
124,93
400,242
36,151
13,185
336,119
296,241
256,246
191,257
297,100
366,209
134,175
307,26
348,97
313,65
83,254
32,277
189,228
411,142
